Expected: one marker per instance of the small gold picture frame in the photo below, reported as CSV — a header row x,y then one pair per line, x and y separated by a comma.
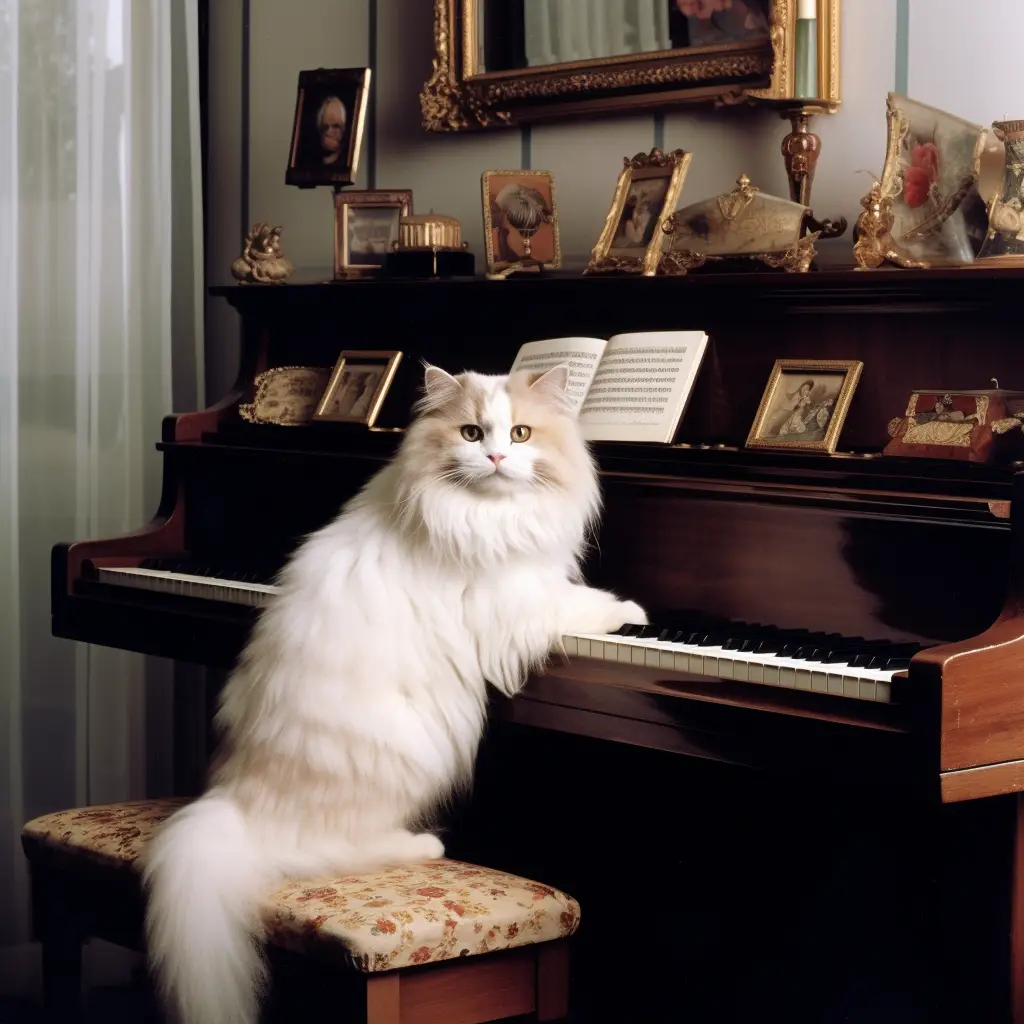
x,y
520,221
365,227
646,195
358,386
804,405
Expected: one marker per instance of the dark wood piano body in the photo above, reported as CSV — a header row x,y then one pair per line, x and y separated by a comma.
x,y
860,544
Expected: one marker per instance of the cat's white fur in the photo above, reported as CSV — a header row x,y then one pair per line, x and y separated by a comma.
x,y
359,701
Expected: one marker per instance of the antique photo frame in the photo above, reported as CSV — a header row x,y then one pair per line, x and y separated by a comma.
x,y
358,386
810,417
615,249
461,96
531,220
319,95
348,206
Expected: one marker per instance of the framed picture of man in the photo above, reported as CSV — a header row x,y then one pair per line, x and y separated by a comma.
x,y
358,387
327,134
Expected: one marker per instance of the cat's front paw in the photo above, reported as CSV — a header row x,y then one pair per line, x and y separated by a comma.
x,y
631,612
616,614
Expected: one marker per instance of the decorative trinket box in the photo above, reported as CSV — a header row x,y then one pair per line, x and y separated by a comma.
x,y
969,426
430,245
743,224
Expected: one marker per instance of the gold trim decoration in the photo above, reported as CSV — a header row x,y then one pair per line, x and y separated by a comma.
x,y
367,199
384,361
872,234
460,97
851,370
285,396
607,258
503,268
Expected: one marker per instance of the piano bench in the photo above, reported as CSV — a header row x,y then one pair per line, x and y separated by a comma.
x,y
408,939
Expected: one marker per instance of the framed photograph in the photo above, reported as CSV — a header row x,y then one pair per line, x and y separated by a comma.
x,y
365,225
358,386
646,195
327,134
520,219
804,405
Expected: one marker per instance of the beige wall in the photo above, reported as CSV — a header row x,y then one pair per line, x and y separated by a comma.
x,y
444,171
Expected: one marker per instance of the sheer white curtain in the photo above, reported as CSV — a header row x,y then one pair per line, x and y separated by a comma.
x,y
95,304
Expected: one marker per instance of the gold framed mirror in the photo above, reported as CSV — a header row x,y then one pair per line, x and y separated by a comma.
x,y
505,62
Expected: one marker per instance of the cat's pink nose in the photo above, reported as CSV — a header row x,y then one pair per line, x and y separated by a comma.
x,y
496,458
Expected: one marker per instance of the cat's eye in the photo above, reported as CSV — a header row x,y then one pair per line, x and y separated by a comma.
x,y
521,432
471,432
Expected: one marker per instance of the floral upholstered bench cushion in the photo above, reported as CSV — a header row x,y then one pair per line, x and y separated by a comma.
x,y
377,921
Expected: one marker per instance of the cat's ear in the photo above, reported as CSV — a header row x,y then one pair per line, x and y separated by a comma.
x,y
551,383
438,385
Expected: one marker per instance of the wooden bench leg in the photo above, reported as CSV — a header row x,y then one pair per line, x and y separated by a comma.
x,y
553,981
382,998
62,977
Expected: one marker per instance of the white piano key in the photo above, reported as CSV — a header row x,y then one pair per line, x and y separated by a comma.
x,y
188,585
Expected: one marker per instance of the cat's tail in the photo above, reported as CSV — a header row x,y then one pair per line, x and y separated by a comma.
x,y
203,873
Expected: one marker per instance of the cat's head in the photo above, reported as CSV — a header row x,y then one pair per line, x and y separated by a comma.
x,y
503,441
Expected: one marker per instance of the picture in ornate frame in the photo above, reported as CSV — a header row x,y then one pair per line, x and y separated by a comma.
x,y
358,386
498,63
327,133
646,195
365,225
520,220
804,405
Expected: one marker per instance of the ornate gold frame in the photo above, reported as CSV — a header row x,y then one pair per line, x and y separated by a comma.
x,y
389,360
457,97
485,188
643,166
392,199
851,368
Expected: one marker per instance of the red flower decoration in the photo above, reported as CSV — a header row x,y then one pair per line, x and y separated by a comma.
x,y
432,891
455,908
513,930
915,186
421,955
926,155
386,926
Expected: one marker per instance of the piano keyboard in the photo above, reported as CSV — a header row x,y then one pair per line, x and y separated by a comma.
x,y
215,585
751,653
691,642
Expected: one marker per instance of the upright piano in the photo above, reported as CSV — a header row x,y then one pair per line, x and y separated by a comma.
x,y
831,632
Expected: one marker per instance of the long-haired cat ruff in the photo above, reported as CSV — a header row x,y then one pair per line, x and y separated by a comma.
x,y
359,700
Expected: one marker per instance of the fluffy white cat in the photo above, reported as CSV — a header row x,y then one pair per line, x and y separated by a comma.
x,y
359,701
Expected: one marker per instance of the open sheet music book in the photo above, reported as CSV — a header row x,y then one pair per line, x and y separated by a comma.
x,y
633,387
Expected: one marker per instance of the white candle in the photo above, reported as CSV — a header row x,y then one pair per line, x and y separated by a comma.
x,y
807,9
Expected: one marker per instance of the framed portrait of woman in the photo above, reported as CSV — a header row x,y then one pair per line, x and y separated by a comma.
x,y
805,404
646,195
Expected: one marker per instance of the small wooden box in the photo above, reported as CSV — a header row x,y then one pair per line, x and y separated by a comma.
x,y
969,426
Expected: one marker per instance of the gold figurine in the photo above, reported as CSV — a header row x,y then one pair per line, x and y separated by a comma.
x,y
872,234
262,261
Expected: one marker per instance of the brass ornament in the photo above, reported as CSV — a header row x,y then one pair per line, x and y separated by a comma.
x,y
262,261
872,234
